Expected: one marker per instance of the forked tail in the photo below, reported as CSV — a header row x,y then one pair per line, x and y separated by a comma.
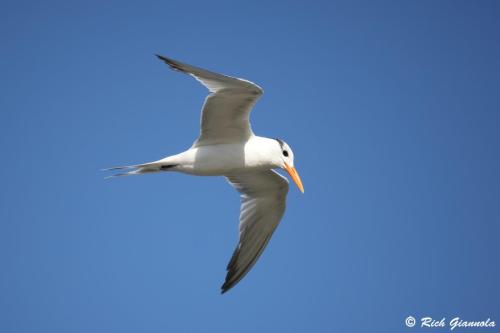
x,y
140,169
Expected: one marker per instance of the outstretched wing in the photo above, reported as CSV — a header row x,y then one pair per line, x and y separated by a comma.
x,y
225,114
263,201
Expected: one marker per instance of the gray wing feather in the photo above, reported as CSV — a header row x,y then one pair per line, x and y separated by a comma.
x,y
263,201
226,111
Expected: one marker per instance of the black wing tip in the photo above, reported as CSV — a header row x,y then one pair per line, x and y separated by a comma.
x,y
230,281
159,56
223,290
226,286
171,62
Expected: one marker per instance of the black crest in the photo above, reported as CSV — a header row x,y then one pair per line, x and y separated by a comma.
x,y
282,144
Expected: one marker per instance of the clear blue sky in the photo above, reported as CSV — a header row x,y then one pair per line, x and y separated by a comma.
x,y
392,109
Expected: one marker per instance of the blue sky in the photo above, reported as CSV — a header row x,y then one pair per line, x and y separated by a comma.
x,y
392,109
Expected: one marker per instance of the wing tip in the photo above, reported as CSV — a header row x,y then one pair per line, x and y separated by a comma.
x,y
223,289
171,62
159,56
230,281
227,285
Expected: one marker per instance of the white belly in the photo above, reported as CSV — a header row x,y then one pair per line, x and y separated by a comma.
x,y
217,160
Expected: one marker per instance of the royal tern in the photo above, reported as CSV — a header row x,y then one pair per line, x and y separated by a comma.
x,y
228,147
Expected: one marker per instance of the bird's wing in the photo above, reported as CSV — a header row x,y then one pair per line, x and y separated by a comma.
x,y
225,114
263,200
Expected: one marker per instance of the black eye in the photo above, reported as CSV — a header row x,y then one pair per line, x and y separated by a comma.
x,y
285,153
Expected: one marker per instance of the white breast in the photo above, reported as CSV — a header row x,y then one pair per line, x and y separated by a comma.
x,y
218,160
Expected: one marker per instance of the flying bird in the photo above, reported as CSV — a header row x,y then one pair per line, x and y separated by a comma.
x,y
228,147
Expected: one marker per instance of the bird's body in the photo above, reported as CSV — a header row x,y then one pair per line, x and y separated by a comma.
x,y
257,153
228,147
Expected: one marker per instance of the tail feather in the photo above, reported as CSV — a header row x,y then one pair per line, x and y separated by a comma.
x,y
139,169
124,167
130,173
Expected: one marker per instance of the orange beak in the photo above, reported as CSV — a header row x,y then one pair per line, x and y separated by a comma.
x,y
295,176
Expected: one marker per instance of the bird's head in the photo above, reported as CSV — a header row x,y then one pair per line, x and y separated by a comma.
x,y
287,163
